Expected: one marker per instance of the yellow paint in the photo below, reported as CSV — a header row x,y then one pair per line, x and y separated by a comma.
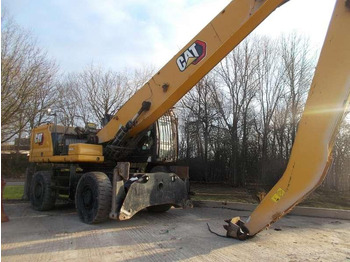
x,y
311,153
85,149
44,149
221,35
42,152
325,106
68,159
278,195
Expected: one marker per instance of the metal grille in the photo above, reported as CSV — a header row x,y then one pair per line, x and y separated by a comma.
x,y
167,137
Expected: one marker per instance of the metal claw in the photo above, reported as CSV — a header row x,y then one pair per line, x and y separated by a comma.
x,y
236,229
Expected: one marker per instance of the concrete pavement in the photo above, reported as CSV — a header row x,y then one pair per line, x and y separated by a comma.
x,y
178,235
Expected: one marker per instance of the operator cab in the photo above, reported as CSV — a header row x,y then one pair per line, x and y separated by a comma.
x,y
159,143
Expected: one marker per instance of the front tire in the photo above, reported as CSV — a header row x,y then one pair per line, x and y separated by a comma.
x,y
42,197
93,197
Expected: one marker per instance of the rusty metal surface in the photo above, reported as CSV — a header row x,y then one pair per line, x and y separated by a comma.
x,y
181,171
120,174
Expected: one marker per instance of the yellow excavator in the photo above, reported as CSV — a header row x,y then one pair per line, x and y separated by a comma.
x,y
93,166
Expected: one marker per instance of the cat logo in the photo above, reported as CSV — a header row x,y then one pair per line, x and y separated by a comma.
x,y
192,56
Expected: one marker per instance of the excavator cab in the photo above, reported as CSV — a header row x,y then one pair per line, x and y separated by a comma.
x,y
159,144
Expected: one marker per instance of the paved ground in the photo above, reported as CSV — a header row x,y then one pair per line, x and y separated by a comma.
x,y
176,235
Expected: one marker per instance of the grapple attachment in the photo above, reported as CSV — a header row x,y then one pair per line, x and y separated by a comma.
x,y
143,190
236,229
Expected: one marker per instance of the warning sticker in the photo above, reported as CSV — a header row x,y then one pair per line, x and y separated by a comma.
x,y
279,194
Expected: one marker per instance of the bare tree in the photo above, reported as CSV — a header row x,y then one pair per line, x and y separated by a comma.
x,y
43,99
237,75
271,91
281,143
298,64
202,116
90,95
136,78
105,91
25,73
338,177
259,92
71,107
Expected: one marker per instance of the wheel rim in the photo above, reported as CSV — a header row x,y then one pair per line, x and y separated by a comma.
x,y
87,197
38,190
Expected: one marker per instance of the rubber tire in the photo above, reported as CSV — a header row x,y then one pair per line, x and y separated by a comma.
x,y
27,184
42,197
93,197
159,209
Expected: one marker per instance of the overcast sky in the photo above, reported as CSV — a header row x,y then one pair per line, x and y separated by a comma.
x,y
133,33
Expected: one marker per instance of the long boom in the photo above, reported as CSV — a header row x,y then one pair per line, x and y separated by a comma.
x,y
324,109
311,153
188,66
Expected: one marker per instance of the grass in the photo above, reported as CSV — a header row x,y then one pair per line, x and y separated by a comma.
x,y
224,193
13,192
328,199
225,198
227,194
221,193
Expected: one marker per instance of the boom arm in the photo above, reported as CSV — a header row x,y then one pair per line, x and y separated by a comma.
x,y
327,101
311,153
191,64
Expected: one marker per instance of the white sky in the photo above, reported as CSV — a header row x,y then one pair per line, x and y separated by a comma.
x,y
118,34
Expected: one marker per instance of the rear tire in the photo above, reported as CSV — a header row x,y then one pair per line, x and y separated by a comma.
x,y
159,209
93,197
42,197
27,184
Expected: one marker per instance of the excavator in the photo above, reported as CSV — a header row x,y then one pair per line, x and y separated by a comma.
x,y
102,169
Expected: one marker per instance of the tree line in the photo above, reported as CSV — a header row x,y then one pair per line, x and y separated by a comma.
x,y
31,84
237,125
